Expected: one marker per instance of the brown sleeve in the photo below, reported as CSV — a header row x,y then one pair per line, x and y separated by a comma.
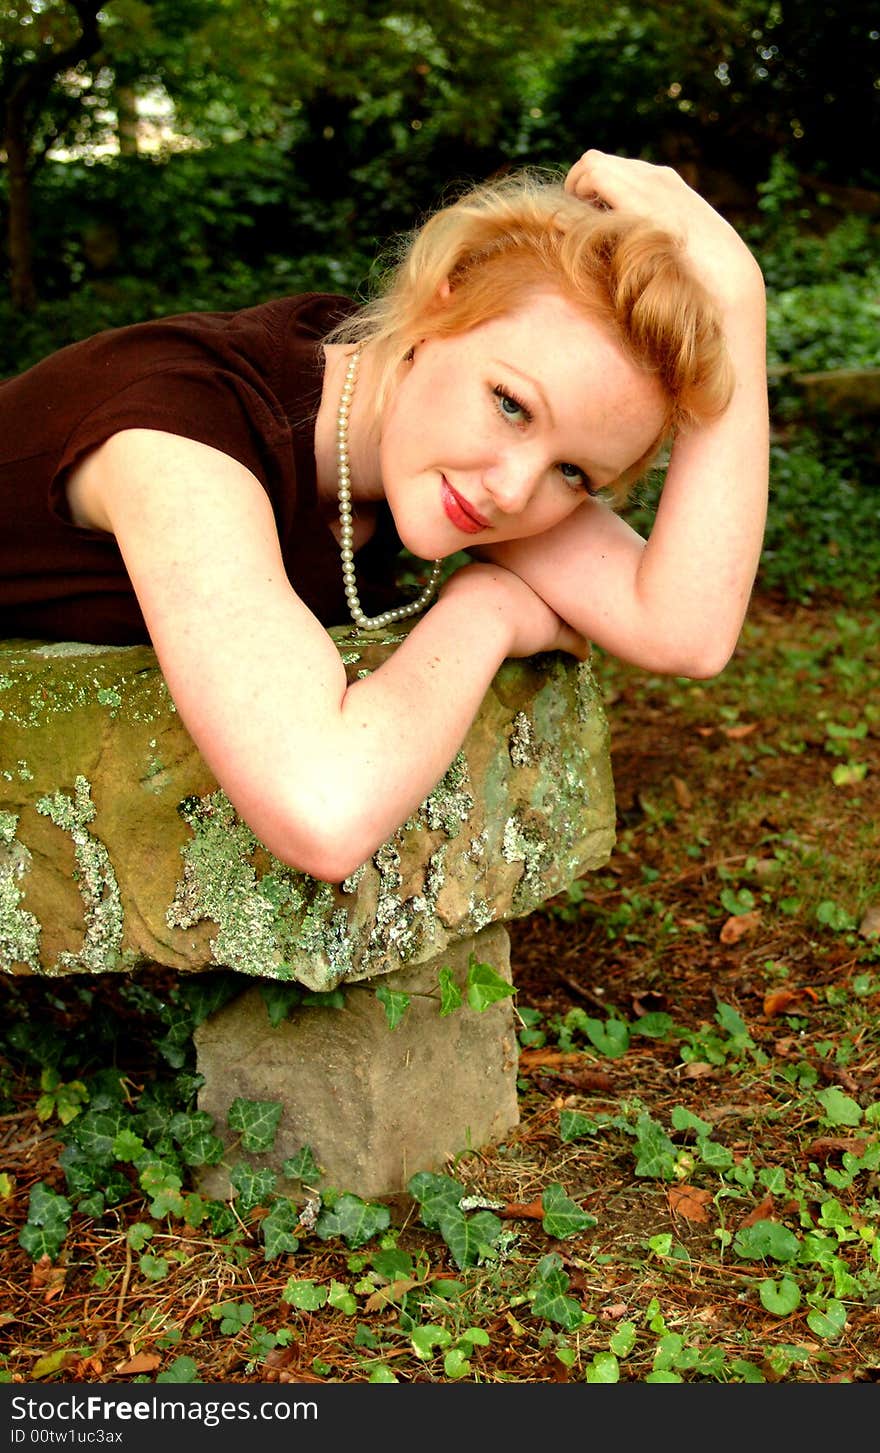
x,y
195,400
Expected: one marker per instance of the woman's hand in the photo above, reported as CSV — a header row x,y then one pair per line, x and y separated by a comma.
x,y
717,253
533,625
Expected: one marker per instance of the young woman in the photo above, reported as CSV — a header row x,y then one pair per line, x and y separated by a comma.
x,y
228,485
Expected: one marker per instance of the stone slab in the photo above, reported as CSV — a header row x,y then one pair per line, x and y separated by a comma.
x,y
374,1104
118,850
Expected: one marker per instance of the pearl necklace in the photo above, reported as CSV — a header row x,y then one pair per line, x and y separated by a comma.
x,y
401,612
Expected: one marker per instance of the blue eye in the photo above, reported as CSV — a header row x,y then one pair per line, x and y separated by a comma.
x,y
573,474
510,407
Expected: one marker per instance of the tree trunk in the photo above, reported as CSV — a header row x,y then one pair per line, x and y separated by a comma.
x,y
127,120
19,240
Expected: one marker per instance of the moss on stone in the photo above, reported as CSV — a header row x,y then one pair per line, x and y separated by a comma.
x,y
102,943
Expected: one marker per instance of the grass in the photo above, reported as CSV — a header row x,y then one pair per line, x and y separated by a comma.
x,y
692,1192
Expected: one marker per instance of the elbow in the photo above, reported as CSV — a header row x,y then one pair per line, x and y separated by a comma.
x,y
693,661
328,847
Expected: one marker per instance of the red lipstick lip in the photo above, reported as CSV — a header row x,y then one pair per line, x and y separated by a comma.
x,y
462,514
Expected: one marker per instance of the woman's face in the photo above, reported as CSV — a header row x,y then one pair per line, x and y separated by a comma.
x,y
501,432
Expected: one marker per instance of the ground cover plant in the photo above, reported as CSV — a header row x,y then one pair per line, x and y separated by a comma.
x,y
692,1192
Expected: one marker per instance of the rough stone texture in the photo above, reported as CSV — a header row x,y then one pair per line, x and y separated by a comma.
x,y
374,1104
117,850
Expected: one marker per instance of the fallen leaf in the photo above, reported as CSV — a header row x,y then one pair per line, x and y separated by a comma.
x,y
52,1362
47,1278
742,729
737,926
762,1212
778,1000
141,1362
616,1311
832,1144
689,1202
698,1070
393,1292
682,793
276,1362
86,1366
533,1059
586,1080
524,1211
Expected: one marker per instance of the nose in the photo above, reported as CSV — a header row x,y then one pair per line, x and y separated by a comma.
x,y
511,482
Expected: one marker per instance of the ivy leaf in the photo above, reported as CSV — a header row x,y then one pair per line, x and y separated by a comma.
x,y
46,1227
95,1133
780,1297
450,993
437,1196
280,1000
485,986
306,1295
256,1121
254,1186
278,1227
302,1166
547,1293
655,1152
563,1217
839,1108
573,1125
356,1221
194,1133
766,1238
394,1003
468,1237
683,1119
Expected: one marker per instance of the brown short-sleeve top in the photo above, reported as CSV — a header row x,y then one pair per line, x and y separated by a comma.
x,y
248,383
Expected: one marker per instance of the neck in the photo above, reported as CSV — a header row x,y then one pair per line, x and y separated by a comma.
x,y
363,431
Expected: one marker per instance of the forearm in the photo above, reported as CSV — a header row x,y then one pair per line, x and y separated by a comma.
x,y
398,729
695,575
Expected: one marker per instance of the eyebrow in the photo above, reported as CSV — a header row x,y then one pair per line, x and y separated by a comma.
x,y
533,383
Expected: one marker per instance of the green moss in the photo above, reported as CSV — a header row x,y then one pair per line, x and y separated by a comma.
x,y
451,803
19,930
102,944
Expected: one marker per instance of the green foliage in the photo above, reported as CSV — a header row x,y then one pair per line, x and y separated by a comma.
x,y
562,1216
256,1121
46,1226
355,1220
394,1003
547,1292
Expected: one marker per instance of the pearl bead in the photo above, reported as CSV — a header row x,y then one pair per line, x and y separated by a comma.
x,y
346,528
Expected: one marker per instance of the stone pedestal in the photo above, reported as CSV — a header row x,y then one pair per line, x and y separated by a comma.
x,y
118,850
373,1104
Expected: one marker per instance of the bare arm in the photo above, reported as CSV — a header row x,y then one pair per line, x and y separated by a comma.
x,y
676,603
322,772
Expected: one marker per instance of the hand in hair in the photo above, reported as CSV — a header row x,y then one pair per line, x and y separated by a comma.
x,y
716,252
